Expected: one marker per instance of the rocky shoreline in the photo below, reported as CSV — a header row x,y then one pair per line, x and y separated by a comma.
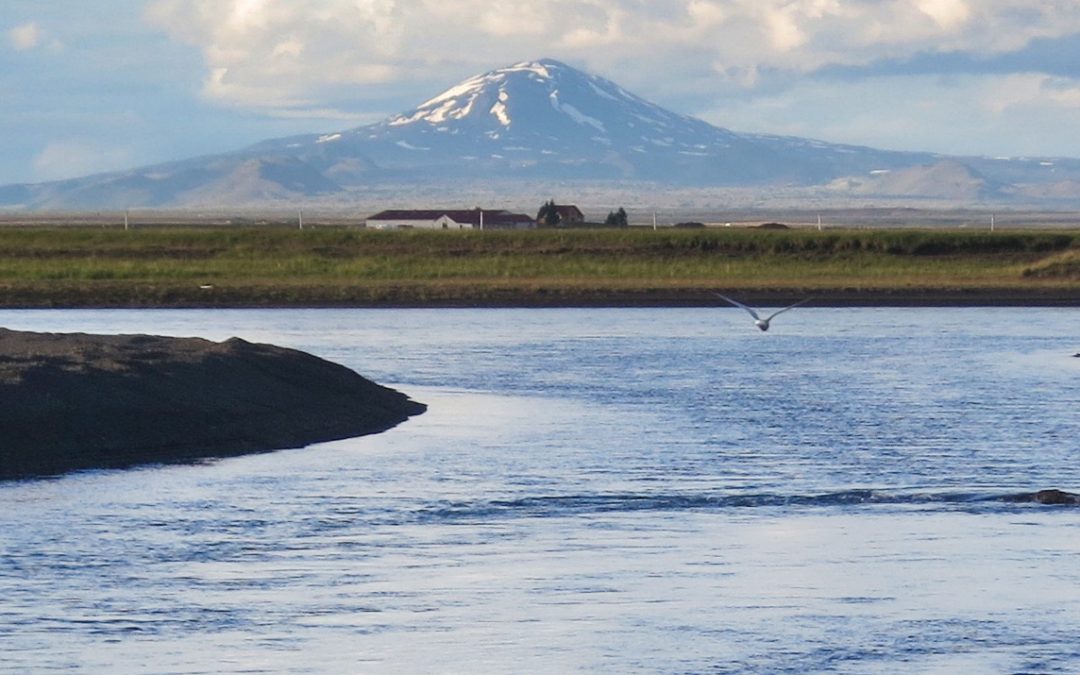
x,y
1050,496
79,401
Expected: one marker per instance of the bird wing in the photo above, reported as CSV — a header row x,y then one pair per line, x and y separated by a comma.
x,y
739,304
781,311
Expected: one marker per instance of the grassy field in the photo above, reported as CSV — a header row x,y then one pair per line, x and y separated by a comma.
x,y
80,267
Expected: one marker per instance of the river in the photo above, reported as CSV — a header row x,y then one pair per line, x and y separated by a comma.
x,y
591,490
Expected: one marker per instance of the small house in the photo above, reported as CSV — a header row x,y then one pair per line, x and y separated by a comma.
x,y
569,214
450,219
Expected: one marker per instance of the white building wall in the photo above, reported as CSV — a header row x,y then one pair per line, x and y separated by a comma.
x,y
450,224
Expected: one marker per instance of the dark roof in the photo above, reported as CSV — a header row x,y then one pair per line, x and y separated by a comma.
x,y
471,216
568,211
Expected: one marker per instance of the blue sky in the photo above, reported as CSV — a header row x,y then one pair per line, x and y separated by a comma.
x,y
87,87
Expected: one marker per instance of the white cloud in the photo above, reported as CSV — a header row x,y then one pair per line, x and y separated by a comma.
x,y
272,53
288,49
30,36
946,13
988,115
68,158
783,28
265,52
1031,91
510,19
25,37
312,58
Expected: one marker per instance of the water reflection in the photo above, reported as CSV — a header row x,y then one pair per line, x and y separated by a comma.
x,y
591,490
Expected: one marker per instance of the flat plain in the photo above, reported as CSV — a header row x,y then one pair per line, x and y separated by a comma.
x,y
269,265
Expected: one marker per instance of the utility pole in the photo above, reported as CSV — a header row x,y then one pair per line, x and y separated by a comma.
x,y
126,219
301,218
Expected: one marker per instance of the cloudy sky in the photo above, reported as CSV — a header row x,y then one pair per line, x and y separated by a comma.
x,y
109,84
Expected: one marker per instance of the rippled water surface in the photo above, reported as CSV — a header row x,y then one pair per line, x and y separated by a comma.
x,y
608,490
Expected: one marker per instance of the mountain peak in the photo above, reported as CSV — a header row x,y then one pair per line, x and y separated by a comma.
x,y
527,104
542,67
536,120
491,89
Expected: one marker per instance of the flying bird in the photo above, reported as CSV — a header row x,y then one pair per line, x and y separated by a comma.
x,y
763,324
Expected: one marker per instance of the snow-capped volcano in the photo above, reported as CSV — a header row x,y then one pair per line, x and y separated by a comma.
x,y
536,120
546,104
546,119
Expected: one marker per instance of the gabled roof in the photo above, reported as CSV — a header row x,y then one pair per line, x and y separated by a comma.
x,y
470,216
566,211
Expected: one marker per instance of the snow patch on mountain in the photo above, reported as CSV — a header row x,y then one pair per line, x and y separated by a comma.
x,y
437,112
574,113
499,110
601,93
457,102
451,95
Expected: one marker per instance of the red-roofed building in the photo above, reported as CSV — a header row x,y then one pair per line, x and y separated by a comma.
x,y
450,219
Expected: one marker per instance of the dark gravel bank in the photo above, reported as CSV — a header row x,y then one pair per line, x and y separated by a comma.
x,y
77,401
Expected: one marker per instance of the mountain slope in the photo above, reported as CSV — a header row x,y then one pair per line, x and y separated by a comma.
x,y
544,119
533,121
948,179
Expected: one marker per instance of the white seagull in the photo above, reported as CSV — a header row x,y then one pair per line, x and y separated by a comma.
x,y
763,324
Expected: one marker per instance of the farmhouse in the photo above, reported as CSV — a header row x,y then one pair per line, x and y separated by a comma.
x,y
569,214
450,219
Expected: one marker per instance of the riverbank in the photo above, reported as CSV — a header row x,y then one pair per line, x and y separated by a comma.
x,y
77,401
336,267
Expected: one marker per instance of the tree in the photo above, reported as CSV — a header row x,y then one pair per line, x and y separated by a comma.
x,y
616,218
548,215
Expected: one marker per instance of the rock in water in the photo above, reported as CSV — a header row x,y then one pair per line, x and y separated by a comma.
x,y
1046,497
78,401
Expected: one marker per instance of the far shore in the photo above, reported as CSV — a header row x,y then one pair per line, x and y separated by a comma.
x,y
980,297
274,268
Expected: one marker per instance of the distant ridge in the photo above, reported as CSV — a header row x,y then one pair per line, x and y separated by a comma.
x,y
547,121
947,179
